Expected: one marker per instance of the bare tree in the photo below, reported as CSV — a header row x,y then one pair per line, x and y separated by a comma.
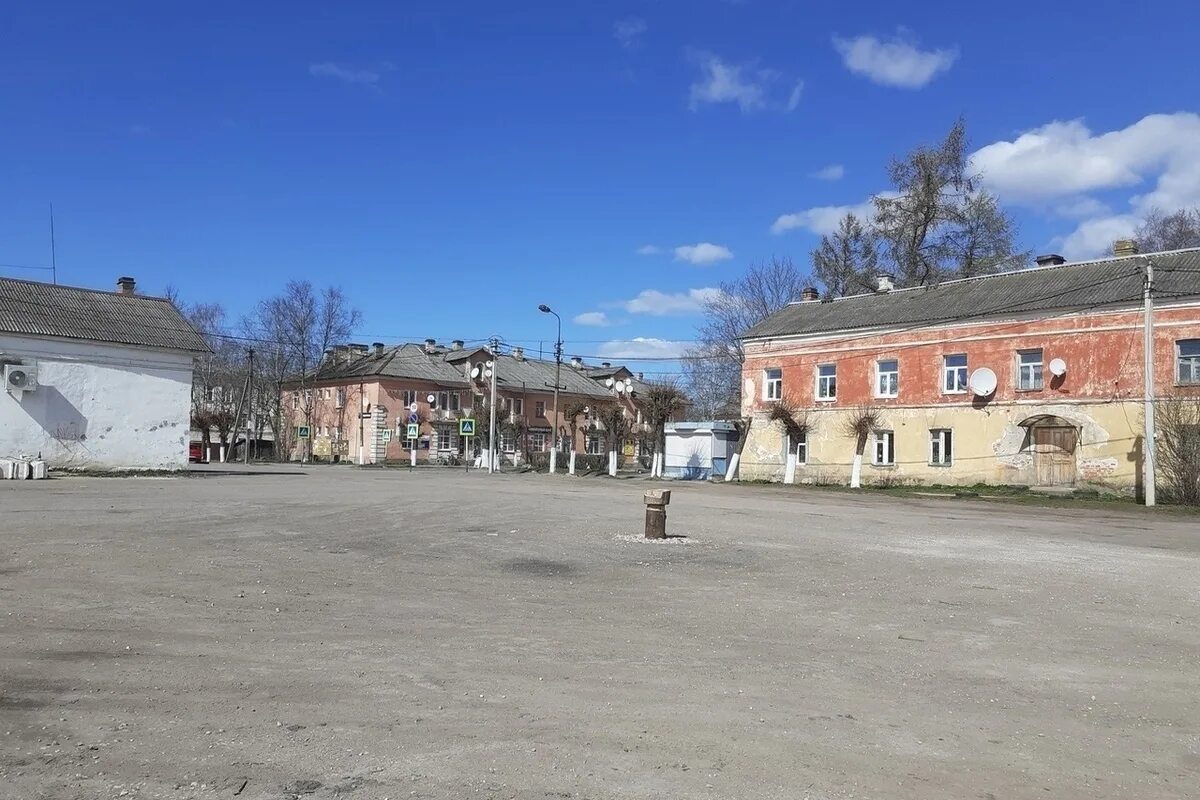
x,y
795,421
661,403
304,325
1162,231
847,260
616,427
713,368
859,426
936,223
1178,447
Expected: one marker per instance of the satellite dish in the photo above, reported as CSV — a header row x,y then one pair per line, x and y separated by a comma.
x,y
1058,367
431,398
491,364
983,382
413,408
476,371
609,383
620,387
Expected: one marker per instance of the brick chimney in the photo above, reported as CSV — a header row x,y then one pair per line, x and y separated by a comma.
x,y
1125,247
809,294
457,344
576,362
1050,260
378,348
518,353
126,285
430,345
883,283
606,364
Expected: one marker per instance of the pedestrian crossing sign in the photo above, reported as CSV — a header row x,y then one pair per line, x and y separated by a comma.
x,y
414,431
466,427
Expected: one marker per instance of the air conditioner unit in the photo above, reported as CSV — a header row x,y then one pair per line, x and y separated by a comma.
x,y
20,377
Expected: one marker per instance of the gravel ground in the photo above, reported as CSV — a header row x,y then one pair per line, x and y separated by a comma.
x,y
369,634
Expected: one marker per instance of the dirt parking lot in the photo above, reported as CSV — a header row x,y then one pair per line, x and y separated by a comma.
x,y
364,634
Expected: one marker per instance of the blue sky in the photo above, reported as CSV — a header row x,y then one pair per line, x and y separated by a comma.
x,y
453,165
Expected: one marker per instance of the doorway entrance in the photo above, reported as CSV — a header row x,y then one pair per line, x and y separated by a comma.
x,y
1054,454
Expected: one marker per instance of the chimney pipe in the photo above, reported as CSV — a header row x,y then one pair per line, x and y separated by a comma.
x,y
576,362
378,347
606,364
1125,247
430,344
518,353
457,344
1050,260
809,294
126,285
883,283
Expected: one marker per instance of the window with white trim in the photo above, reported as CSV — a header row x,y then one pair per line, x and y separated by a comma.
x,y
539,409
1029,370
336,433
339,398
887,378
446,439
827,381
799,443
941,447
408,397
455,401
593,446
295,400
518,407
954,373
308,398
1187,361
885,448
508,442
773,384
537,441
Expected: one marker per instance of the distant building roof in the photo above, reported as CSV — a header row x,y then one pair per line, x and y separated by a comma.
x,y
446,368
31,308
1084,284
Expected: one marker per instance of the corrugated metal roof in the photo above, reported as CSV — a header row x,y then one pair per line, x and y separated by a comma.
x,y
31,308
1087,284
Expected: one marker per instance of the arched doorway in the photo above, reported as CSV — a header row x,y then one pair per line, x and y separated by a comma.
x,y
1052,440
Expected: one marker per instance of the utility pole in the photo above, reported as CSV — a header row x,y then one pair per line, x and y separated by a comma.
x,y
53,258
249,406
1148,455
558,349
362,445
495,348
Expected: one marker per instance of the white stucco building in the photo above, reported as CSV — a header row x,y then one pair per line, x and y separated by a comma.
x,y
107,377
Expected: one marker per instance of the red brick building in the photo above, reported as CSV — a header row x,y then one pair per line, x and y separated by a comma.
x,y
1059,346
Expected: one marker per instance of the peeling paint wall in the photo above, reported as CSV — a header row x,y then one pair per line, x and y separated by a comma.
x,y
99,406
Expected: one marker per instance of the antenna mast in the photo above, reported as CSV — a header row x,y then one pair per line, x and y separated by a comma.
x,y
53,260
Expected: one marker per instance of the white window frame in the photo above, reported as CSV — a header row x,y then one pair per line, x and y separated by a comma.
x,y
295,400
826,386
408,397
891,377
339,398
455,401
773,384
941,447
955,374
593,445
1191,359
446,439
517,406
539,409
883,448
508,442
538,440
800,444
1036,370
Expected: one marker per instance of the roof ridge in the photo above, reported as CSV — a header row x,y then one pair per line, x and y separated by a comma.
x,y
112,292
1006,273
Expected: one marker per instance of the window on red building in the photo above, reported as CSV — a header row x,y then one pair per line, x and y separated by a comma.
x,y
827,382
773,384
954,373
1029,370
1188,360
887,378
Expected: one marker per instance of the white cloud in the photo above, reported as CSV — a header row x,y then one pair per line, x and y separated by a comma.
x,y
824,220
597,319
1095,237
663,304
729,83
1066,158
329,69
895,62
702,253
1054,167
649,250
628,32
747,85
642,347
833,172
794,97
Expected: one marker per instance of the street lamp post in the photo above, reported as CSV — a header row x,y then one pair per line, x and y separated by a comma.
x,y
558,343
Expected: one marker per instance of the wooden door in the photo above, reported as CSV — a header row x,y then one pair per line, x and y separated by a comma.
x,y
1054,456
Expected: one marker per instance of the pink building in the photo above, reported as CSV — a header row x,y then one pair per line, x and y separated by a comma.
x,y
357,405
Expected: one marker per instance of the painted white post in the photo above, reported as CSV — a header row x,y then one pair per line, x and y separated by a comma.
x,y
571,463
222,454
612,463
856,472
789,471
731,471
554,458
412,452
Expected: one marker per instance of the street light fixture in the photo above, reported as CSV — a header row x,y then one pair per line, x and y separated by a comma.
x,y
558,343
